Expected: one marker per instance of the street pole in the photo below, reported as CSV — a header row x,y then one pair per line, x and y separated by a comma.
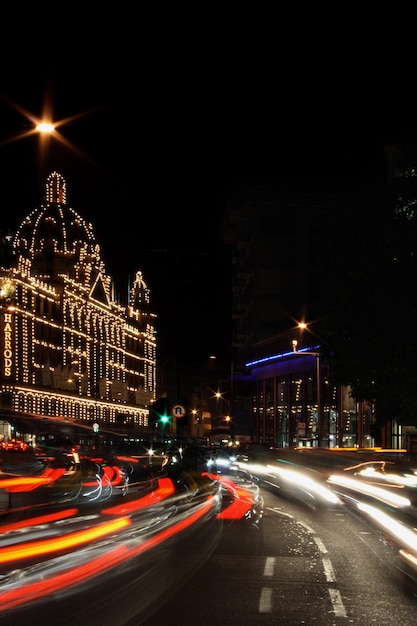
x,y
320,420
319,403
232,433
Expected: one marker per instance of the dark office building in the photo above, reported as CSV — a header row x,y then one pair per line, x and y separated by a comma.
x,y
278,241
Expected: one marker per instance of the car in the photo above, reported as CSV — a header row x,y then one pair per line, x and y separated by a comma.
x,y
14,445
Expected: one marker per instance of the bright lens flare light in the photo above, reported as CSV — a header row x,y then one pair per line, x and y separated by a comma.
x,y
45,127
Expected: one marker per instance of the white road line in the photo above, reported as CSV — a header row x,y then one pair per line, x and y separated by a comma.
x,y
320,545
308,528
265,602
275,510
336,600
269,566
328,570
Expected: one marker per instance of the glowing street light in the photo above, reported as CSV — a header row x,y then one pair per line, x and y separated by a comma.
x,y
45,127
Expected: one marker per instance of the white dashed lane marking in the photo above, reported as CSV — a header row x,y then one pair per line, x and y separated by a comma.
x,y
269,566
265,602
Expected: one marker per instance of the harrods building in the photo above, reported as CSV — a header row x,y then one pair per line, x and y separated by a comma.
x,y
68,349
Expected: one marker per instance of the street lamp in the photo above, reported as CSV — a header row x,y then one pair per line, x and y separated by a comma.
x,y
223,420
195,427
220,396
318,377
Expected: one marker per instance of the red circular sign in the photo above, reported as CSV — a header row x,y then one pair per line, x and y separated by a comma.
x,y
178,410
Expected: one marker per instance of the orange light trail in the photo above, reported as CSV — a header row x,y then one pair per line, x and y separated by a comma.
x,y
103,563
165,489
29,483
242,499
47,546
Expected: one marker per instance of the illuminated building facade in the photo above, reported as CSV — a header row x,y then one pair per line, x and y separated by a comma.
x,y
295,403
68,349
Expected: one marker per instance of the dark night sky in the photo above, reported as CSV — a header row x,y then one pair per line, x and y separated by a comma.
x,y
150,150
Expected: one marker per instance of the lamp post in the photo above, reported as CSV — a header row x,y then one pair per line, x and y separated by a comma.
x,y
223,419
231,400
195,427
318,377
219,408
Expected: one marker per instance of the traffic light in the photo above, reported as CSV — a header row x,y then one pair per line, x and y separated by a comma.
x,y
160,411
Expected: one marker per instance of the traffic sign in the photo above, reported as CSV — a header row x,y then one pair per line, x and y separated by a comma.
x,y
178,410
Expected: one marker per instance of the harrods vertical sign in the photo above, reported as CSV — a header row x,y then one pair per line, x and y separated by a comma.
x,y
7,299
6,344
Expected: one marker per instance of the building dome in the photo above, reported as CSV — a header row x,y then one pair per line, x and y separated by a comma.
x,y
54,240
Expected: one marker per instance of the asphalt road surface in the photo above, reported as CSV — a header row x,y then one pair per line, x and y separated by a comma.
x,y
299,566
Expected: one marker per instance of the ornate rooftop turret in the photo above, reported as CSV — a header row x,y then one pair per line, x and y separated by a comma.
x,y
54,240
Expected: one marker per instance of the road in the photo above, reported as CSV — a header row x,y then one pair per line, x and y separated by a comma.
x,y
301,565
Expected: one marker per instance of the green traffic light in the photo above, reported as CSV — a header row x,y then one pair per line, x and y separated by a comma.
x,y
164,419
